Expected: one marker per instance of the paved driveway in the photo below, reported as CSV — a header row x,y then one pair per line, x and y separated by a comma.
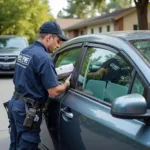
x,y
6,90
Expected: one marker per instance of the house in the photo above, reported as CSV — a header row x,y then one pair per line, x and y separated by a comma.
x,y
65,23
125,19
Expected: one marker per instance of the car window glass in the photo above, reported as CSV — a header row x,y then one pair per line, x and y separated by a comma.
x,y
138,86
143,46
104,75
10,43
67,57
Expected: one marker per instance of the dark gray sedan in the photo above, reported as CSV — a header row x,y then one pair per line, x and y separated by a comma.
x,y
10,48
108,104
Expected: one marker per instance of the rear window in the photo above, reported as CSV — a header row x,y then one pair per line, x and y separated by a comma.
x,y
10,43
143,46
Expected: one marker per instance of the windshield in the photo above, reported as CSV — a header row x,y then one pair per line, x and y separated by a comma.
x,y
12,43
143,46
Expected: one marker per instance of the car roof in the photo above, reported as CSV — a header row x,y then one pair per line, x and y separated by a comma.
x,y
132,35
108,37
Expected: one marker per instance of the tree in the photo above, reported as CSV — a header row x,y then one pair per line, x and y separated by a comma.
x,y
116,5
79,9
23,18
71,9
85,8
60,14
141,7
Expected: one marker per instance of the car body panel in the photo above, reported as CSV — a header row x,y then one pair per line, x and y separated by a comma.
x,y
46,141
92,125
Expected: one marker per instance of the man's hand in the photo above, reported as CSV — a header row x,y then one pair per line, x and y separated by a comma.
x,y
67,81
57,90
106,71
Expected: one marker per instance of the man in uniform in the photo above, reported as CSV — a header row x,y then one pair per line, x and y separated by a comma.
x,y
34,79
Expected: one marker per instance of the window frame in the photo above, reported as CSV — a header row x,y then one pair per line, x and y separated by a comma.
x,y
137,72
141,80
108,28
135,27
100,29
92,30
81,32
87,46
124,56
69,48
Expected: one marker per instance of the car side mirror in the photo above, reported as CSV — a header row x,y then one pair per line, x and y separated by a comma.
x,y
130,107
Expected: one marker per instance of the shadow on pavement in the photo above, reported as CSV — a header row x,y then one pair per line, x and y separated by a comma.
x,y
6,76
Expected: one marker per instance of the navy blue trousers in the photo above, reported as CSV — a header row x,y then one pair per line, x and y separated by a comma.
x,y
21,138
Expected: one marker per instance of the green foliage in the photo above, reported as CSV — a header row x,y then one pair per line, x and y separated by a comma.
x,y
68,57
89,8
23,17
60,14
116,5
78,9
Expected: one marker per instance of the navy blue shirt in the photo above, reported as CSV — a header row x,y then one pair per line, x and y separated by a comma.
x,y
35,72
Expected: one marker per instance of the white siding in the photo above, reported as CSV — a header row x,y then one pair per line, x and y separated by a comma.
x,y
103,26
148,18
131,20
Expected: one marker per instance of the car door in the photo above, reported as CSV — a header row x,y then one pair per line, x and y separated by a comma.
x,y
85,119
65,56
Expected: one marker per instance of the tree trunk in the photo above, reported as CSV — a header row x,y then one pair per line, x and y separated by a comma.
x,y
142,7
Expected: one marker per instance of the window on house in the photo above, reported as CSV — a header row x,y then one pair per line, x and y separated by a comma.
x,y
135,27
108,28
149,25
81,32
100,29
92,31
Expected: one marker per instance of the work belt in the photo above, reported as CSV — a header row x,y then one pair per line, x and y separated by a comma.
x,y
33,110
36,104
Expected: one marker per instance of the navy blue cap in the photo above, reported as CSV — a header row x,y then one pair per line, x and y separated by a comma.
x,y
52,28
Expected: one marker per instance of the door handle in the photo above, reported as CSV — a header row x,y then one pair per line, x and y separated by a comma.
x,y
67,114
